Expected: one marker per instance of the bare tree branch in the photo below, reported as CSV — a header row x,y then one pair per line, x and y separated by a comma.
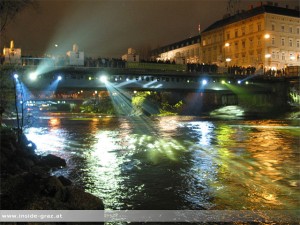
x,y
10,8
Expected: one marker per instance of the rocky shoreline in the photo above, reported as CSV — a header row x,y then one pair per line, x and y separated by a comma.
x,y
26,182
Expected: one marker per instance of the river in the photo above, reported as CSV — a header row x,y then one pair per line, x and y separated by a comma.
x,y
176,162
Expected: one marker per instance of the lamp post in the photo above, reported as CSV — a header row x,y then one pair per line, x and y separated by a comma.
x,y
19,128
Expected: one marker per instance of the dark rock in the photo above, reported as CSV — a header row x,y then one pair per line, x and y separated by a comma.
x,y
53,188
47,203
26,182
9,150
52,161
42,171
80,200
65,181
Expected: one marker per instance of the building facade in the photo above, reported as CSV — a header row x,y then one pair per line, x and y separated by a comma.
x,y
75,57
182,52
12,55
266,37
131,56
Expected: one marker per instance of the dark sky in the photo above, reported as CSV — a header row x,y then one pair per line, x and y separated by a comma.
x,y
107,28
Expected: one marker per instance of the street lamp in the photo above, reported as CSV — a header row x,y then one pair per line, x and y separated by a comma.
x,y
267,56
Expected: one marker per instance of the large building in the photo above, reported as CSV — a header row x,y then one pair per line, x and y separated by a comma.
x,y
265,37
12,55
182,52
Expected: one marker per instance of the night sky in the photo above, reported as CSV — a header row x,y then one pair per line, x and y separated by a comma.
x,y
104,28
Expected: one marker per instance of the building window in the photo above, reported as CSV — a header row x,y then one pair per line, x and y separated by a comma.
x,y
273,27
259,27
298,30
282,28
273,41
298,44
251,42
291,43
273,55
291,30
204,42
282,41
258,41
243,44
236,45
243,31
251,28
236,33
283,56
228,36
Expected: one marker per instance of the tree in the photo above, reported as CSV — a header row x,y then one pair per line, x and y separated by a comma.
x,y
7,90
10,8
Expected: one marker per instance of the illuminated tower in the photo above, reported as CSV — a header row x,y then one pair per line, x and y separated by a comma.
x,y
12,55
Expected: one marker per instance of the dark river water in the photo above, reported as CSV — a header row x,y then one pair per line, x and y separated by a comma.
x,y
176,162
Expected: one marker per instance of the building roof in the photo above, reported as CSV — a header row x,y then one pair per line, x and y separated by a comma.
x,y
179,44
253,12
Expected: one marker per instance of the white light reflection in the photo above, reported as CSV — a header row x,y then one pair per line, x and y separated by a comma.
x,y
104,149
41,137
205,130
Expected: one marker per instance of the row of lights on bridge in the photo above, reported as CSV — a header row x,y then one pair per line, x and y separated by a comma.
x,y
33,76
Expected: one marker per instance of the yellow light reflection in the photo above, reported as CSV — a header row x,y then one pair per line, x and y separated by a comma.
x,y
253,172
54,123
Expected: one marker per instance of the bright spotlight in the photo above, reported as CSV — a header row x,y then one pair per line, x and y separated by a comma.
x,y
33,76
59,78
204,82
103,79
223,82
16,76
247,82
239,82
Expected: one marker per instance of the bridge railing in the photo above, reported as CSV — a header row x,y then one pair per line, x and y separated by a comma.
x,y
156,66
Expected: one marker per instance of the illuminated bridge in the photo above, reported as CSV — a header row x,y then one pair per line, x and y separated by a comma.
x,y
88,78
207,88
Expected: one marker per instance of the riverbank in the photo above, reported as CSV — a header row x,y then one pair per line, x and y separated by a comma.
x,y
26,182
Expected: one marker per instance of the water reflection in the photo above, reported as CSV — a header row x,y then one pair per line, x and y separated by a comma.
x,y
177,162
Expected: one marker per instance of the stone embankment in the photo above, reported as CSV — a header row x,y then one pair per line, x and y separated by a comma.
x,y
26,183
